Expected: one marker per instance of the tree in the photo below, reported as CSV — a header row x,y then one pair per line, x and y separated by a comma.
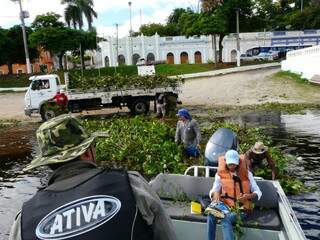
x,y
55,40
60,40
49,19
4,42
13,48
75,10
153,28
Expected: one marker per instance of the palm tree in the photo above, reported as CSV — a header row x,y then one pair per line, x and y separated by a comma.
x,y
76,9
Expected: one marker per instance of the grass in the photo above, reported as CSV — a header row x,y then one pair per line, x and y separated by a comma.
x,y
9,81
292,76
12,81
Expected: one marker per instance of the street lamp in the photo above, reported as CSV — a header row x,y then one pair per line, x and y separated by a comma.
x,y
23,15
130,33
238,39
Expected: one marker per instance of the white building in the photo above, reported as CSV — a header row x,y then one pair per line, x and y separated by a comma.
x,y
180,49
177,50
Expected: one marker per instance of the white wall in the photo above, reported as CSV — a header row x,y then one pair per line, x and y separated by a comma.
x,y
303,61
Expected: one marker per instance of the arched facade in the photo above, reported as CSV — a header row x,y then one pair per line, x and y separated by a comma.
x,y
121,60
184,58
233,55
170,58
150,57
135,58
106,61
197,57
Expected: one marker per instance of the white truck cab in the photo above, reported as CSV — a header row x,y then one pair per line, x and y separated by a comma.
x,y
41,89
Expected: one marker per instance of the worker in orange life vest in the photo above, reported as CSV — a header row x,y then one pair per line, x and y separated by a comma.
x,y
233,184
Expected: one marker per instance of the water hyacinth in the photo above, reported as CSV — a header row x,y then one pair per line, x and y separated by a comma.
x,y
118,82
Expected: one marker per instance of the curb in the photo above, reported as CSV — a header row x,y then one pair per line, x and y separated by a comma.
x,y
229,70
17,89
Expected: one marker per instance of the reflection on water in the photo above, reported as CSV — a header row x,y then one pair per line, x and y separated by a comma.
x,y
298,135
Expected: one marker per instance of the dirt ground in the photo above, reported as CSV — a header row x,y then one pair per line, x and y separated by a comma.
x,y
238,89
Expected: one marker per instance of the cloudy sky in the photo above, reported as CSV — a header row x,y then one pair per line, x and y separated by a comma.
x,y
109,12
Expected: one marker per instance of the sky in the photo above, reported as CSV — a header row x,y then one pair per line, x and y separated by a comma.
x,y
109,12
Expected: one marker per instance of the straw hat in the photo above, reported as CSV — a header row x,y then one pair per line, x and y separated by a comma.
x,y
259,148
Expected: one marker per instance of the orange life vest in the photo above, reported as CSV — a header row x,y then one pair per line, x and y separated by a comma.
x,y
231,189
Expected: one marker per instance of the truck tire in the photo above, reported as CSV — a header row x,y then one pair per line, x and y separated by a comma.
x,y
47,114
140,106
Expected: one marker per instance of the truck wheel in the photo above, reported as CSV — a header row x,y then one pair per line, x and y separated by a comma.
x,y
140,106
47,114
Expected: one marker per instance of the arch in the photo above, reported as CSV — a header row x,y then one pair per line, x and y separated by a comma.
x,y
170,58
197,57
121,60
150,57
135,58
233,55
184,58
106,61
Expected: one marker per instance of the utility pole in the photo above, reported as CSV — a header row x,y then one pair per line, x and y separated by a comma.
x,y
130,33
23,15
140,18
117,44
238,39
301,5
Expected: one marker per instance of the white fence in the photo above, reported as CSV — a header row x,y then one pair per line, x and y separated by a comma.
x,y
303,61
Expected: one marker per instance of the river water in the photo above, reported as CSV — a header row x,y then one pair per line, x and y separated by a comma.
x,y
298,135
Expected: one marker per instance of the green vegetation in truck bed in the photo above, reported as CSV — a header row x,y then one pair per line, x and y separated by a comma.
x,y
121,82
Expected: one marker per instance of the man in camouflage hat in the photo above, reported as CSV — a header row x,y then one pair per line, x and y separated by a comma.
x,y
82,201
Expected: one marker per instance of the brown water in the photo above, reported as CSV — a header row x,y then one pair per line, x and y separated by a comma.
x,y
298,135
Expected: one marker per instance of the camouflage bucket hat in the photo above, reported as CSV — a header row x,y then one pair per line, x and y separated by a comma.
x,y
60,139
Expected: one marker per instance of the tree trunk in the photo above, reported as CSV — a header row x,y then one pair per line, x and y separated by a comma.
x,y
60,56
83,65
221,36
9,68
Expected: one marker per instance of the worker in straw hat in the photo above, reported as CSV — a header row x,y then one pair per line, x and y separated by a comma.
x,y
255,158
82,201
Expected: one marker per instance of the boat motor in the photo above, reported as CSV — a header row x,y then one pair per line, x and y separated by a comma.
x,y
220,142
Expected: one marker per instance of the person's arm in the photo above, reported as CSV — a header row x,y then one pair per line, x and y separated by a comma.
x,y
272,165
151,209
15,232
214,193
254,188
197,132
177,138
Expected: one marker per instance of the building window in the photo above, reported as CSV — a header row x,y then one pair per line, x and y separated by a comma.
x,y
135,58
170,58
169,38
121,60
197,57
150,57
233,55
19,71
184,58
106,61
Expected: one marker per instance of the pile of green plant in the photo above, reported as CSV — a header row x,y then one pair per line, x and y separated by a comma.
x,y
120,81
142,144
247,137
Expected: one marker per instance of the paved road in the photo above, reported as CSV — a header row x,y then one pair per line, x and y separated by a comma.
x,y
247,88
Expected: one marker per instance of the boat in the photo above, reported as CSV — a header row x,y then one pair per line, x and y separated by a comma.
x,y
272,217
